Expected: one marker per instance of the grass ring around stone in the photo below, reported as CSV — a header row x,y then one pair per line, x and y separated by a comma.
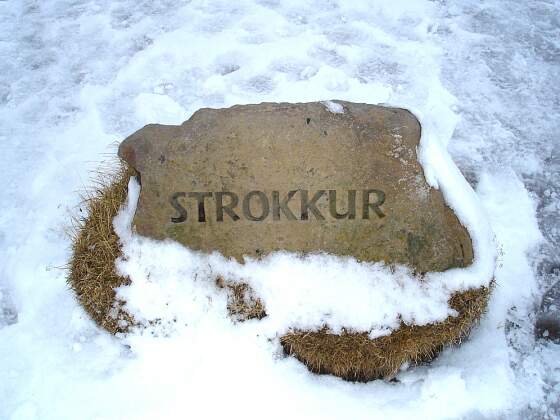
x,y
350,355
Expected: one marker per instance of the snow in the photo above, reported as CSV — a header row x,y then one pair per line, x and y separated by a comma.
x,y
334,107
76,77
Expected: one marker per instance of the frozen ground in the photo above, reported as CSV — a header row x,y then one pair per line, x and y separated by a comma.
x,y
78,76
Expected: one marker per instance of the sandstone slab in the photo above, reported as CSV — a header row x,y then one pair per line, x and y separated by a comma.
x,y
253,179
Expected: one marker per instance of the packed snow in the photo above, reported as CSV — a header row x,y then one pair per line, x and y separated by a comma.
x,y
78,76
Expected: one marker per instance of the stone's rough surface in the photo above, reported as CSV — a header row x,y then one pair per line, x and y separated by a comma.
x,y
253,179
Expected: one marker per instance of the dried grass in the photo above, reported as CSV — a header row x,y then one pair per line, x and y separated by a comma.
x,y
242,303
352,356
95,246
356,357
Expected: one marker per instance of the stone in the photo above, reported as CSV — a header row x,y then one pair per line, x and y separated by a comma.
x,y
341,178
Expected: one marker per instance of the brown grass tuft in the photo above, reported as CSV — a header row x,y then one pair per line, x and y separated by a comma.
x,y
352,356
356,357
242,303
95,246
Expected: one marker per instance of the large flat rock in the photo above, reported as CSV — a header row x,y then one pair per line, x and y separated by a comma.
x,y
253,179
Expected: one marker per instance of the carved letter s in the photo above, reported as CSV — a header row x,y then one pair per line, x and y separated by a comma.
x,y
177,206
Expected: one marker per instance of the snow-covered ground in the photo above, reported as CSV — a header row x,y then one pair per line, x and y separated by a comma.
x,y
78,76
